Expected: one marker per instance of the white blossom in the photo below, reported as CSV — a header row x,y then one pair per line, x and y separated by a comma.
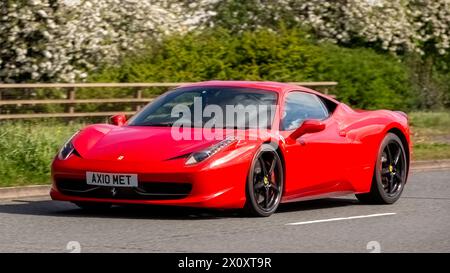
x,y
395,25
61,40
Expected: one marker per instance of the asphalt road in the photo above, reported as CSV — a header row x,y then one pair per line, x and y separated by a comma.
x,y
418,222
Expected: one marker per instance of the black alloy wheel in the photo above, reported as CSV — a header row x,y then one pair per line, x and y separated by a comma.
x,y
265,182
391,171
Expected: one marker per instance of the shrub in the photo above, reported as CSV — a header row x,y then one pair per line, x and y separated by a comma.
x,y
366,78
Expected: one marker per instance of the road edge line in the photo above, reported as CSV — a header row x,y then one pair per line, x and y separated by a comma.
x,y
340,219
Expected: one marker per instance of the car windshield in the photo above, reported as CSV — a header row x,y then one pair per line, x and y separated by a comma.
x,y
214,107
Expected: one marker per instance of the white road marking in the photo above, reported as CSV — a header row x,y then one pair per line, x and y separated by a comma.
x,y
340,219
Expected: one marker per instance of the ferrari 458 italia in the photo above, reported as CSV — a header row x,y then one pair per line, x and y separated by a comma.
x,y
236,144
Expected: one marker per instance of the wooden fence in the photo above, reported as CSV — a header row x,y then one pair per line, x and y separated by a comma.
x,y
71,99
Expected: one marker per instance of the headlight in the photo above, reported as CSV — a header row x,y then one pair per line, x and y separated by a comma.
x,y
204,154
67,149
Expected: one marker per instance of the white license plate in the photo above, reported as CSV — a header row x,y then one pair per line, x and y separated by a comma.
x,y
112,179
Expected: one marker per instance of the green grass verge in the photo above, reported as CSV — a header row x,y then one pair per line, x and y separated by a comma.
x,y
27,148
431,151
430,135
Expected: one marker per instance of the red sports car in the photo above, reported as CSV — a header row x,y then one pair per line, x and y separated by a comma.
x,y
236,144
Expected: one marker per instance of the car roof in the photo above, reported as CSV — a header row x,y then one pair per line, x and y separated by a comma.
x,y
278,87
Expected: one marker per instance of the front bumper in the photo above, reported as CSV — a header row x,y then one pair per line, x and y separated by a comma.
x,y
211,186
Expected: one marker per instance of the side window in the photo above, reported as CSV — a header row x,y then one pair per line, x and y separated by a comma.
x,y
300,106
329,105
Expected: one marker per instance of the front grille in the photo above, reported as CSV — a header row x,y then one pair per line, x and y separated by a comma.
x,y
144,191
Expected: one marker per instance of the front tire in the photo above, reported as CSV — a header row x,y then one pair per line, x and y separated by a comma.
x,y
265,182
390,173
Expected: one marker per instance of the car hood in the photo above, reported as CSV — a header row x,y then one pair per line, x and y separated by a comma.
x,y
135,143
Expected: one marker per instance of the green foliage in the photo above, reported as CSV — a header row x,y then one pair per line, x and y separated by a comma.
x,y
442,74
27,149
431,151
238,15
431,120
430,135
367,79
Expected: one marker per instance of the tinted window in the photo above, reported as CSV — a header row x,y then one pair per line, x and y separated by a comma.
x,y
300,106
329,105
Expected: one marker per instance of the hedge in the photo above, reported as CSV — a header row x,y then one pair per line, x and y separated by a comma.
x,y
367,79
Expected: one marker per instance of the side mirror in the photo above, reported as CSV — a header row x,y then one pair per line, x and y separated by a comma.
x,y
118,120
308,126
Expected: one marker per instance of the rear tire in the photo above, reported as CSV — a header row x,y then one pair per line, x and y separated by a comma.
x,y
91,206
264,183
390,172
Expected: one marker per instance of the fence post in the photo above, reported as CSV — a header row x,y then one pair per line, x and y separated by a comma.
x,y
138,95
71,97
